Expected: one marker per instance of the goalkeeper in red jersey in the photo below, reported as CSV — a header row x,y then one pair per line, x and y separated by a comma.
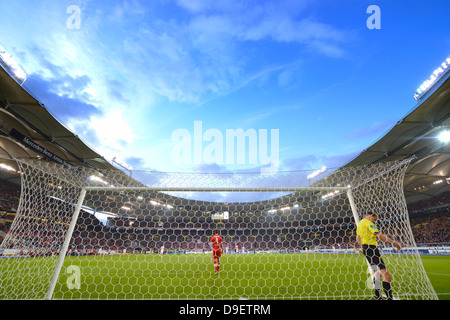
x,y
217,246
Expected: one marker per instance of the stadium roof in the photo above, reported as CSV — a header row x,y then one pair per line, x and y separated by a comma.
x,y
417,135
28,130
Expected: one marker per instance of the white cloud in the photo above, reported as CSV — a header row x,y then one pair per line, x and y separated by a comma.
x,y
113,129
374,130
208,54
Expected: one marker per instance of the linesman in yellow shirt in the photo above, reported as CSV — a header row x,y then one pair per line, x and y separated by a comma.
x,y
367,235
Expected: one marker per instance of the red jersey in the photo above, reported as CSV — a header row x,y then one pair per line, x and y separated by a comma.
x,y
216,240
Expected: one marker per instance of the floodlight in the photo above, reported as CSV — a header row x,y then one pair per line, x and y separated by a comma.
x,y
444,136
5,167
98,179
11,66
316,173
437,74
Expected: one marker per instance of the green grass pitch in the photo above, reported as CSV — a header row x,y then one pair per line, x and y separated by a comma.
x,y
191,276
249,276
438,271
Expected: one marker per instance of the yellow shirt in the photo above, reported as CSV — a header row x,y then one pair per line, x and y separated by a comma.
x,y
366,230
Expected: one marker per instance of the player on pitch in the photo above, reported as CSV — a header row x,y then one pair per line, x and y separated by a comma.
x,y
217,245
366,235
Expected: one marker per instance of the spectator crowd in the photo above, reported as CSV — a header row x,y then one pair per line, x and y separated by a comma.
x,y
430,222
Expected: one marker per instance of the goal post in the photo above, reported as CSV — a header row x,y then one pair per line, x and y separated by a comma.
x,y
65,246
92,234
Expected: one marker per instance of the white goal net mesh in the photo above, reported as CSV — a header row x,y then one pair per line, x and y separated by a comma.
x,y
88,234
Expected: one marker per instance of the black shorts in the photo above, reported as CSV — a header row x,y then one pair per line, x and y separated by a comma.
x,y
373,256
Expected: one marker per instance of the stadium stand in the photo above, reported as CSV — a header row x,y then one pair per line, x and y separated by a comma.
x,y
430,221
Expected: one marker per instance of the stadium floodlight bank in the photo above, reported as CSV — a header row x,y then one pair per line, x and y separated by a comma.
x,y
87,234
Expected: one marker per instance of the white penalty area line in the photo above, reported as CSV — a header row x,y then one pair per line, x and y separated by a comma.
x,y
439,274
443,294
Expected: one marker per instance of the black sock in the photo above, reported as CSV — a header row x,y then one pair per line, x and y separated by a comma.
x,y
387,289
377,288
377,294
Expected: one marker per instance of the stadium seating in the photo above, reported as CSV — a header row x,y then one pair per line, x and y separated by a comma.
x,y
430,222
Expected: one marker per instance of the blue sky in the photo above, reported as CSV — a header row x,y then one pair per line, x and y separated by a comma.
x,y
137,71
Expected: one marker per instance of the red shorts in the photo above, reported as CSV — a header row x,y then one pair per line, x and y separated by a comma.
x,y
217,253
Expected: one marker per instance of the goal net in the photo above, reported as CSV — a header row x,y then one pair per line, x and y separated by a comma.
x,y
81,233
